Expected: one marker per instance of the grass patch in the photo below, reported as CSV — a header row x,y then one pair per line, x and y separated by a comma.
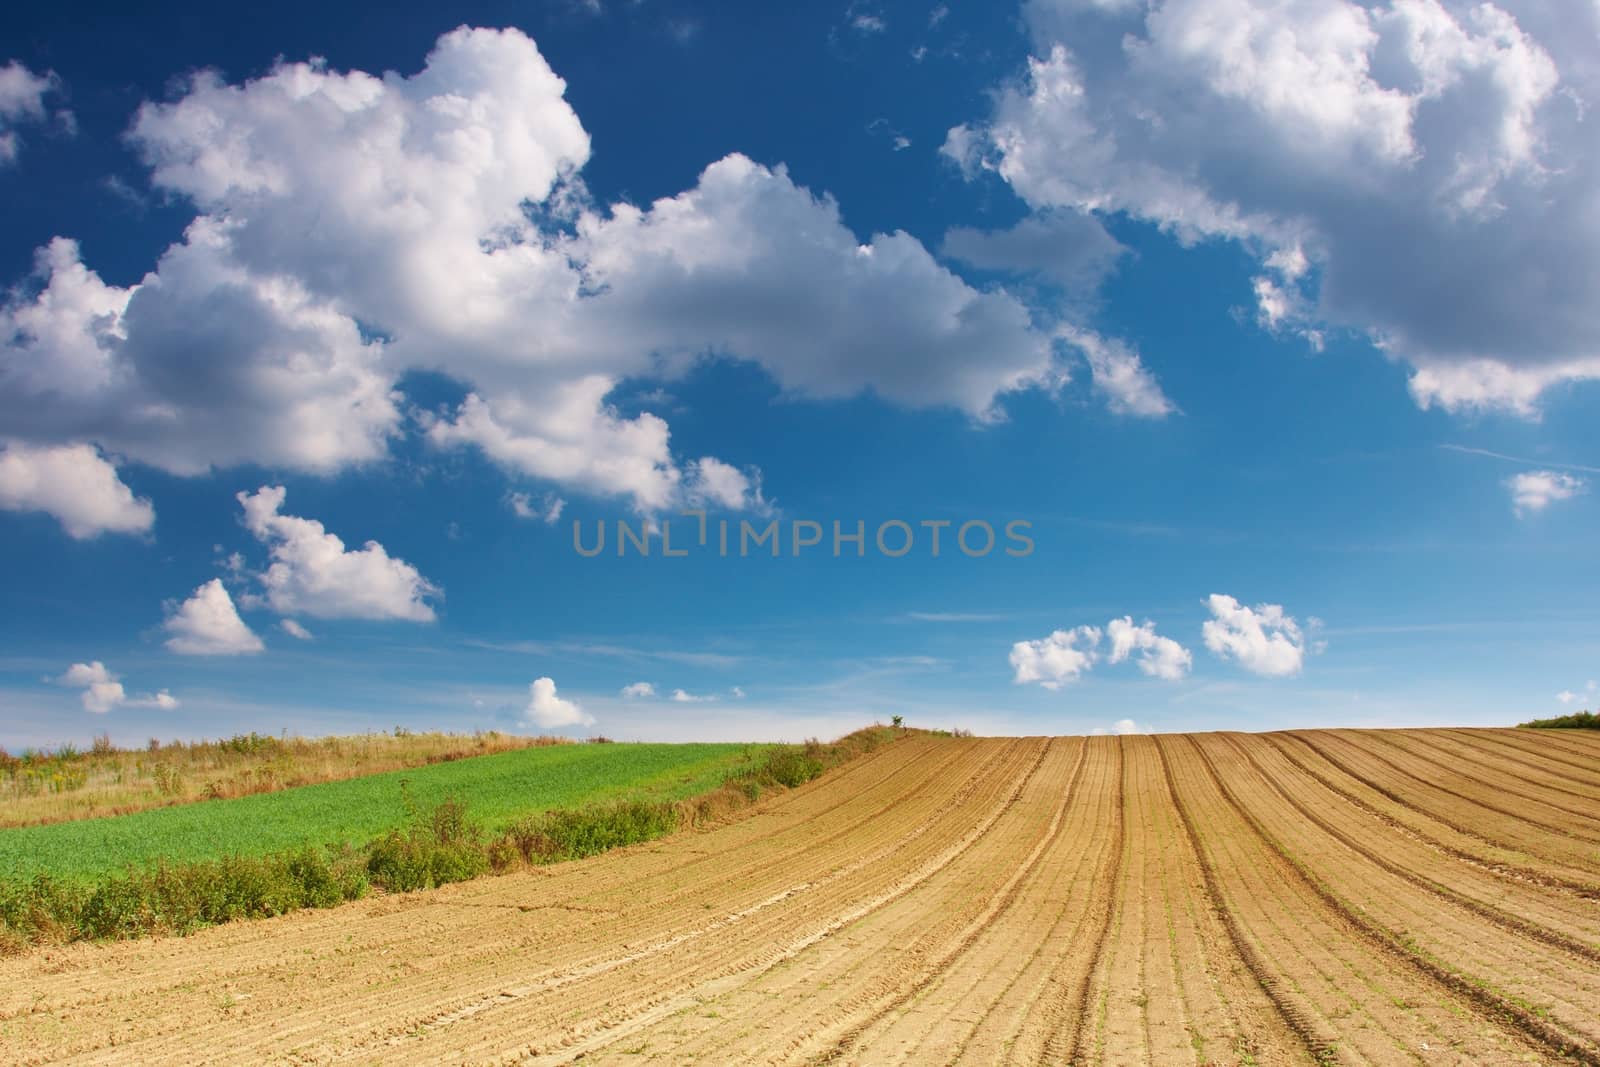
x,y
1579,720
428,843
500,787
40,786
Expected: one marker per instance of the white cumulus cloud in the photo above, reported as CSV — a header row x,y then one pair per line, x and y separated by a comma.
x,y
1067,655
208,624
548,711
1159,657
1263,640
1056,660
350,228
102,691
1533,491
314,574
75,484
713,483
1421,172
639,690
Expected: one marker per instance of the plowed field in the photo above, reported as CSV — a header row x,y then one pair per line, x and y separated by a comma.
x,y
1414,896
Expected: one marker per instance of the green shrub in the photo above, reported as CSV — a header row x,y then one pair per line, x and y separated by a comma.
x,y
1581,720
178,898
572,834
325,879
439,846
791,766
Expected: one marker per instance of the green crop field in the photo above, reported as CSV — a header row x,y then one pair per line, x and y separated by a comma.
x,y
496,789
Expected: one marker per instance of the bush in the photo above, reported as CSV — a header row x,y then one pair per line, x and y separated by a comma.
x,y
439,846
1582,720
250,744
790,766
178,899
564,835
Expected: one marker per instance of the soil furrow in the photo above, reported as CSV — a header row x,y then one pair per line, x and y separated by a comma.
x,y
1505,920
1477,992
1319,1042
1304,897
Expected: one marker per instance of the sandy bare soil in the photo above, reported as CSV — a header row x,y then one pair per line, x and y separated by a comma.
x,y
1312,897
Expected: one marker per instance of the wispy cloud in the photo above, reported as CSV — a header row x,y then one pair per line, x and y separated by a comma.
x,y
1467,451
607,651
1407,628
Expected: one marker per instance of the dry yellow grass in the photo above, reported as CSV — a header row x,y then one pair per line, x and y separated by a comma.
x,y
37,788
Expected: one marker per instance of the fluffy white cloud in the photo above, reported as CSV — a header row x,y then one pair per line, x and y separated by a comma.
x,y
201,364
1056,660
1066,655
1263,640
22,94
683,696
294,629
75,484
713,483
313,573
1159,657
639,690
102,691
1421,171
549,711
1533,491
750,265
352,228
208,624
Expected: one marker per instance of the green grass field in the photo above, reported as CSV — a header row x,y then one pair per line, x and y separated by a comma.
x,y
496,789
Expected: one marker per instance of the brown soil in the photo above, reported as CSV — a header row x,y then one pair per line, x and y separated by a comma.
x,y
1332,897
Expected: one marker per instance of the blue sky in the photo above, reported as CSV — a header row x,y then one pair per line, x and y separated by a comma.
x,y
324,326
